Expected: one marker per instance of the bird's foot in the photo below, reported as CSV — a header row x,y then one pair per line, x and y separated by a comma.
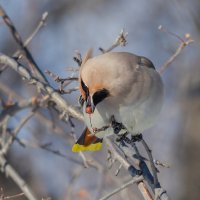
x,y
136,138
126,140
117,127
103,128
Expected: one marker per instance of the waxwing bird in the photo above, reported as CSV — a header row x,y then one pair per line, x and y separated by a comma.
x,y
120,85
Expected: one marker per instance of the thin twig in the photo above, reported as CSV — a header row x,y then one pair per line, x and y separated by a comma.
x,y
68,91
63,82
9,142
184,42
13,196
30,38
41,24
72,69
39,116
58,79
61,103
11,110
47,147
75,174
19,41
126,164
120,41
85,161
10,171
122,187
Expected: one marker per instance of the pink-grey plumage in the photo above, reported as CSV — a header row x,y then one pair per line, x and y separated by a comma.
x,y
132,89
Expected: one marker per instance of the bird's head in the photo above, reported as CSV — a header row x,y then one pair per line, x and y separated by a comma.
x,y
106,77
92,95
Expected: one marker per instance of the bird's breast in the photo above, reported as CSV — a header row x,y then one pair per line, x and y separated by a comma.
x,y
99,120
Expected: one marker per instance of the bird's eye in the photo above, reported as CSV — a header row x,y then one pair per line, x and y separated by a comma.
x,y
100,96
85,88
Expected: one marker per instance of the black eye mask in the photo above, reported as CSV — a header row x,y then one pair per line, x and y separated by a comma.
x,y
100,96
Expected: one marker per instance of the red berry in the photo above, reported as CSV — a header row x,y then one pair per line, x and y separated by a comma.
x,y
89,110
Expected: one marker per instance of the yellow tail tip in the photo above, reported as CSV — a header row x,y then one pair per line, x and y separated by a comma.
x,y
92,147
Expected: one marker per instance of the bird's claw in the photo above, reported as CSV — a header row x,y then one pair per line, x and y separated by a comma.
x,y
117,127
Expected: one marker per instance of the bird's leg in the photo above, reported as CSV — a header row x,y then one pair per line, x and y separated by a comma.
x,y
117,127
136,138
124,139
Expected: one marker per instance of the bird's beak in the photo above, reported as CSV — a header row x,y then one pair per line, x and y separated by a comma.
x,y
90,107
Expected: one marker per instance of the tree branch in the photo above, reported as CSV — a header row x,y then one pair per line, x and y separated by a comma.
x,y
184,42
122,187
19,41
61,103
127,165
10,171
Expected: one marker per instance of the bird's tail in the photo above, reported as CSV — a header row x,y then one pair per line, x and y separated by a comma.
x,y
87,142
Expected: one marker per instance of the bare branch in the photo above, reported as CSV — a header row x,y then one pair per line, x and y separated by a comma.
x,y
127,165
3,197
9,142
122,187
63,83
153,168
11,110
37,29
39,116
19,41
61,103
184,42
30,38
10,171
47,147
58,79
